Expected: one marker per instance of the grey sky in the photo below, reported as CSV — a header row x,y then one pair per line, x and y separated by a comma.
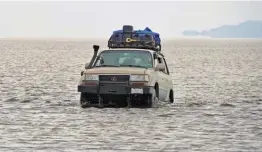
x,y
99,19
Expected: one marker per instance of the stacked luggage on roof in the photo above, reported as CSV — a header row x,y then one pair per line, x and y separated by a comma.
x,y
130,38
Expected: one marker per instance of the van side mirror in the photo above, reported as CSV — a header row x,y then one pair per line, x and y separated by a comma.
x,y
155,56
160,67
86,66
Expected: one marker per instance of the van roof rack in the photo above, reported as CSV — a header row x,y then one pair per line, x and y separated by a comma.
x,y
129,38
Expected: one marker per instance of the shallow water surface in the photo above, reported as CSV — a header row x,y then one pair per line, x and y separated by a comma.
x,y
218,100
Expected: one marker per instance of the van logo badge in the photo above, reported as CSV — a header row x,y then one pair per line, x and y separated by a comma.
x,y
113,78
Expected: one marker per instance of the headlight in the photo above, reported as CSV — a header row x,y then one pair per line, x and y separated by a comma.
x,y
139,78
91,77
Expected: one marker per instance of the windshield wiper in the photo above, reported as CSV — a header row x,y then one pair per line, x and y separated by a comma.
x,y
130,65
107,65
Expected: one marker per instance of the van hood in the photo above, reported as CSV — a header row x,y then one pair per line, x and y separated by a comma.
x,y
118,70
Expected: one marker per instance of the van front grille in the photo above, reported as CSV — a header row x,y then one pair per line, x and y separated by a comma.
x,y
114,78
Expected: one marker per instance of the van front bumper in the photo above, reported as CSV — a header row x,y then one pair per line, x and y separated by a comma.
x,y
115,89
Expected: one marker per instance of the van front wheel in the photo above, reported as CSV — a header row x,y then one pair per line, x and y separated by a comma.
x,y
152,99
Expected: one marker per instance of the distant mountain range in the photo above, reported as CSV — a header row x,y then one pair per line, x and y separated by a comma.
x,y
248,29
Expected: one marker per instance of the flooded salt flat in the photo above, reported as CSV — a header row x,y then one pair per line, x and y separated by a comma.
x,y
218,100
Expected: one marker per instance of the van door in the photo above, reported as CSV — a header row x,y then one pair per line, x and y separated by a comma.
x,y
168,79
162,80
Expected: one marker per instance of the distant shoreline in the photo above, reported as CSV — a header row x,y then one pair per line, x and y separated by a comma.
x,y
249,29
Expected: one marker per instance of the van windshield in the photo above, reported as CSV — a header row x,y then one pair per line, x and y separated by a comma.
x,y
125,58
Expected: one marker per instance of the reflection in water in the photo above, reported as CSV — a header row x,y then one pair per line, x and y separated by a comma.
x,y
218,100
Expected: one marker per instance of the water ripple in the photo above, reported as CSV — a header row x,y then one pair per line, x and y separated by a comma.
x,y
218,100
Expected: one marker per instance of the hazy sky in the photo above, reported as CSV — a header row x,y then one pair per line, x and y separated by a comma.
x,y
99,19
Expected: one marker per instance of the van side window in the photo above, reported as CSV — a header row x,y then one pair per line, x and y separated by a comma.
x,y
162,61
166,70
